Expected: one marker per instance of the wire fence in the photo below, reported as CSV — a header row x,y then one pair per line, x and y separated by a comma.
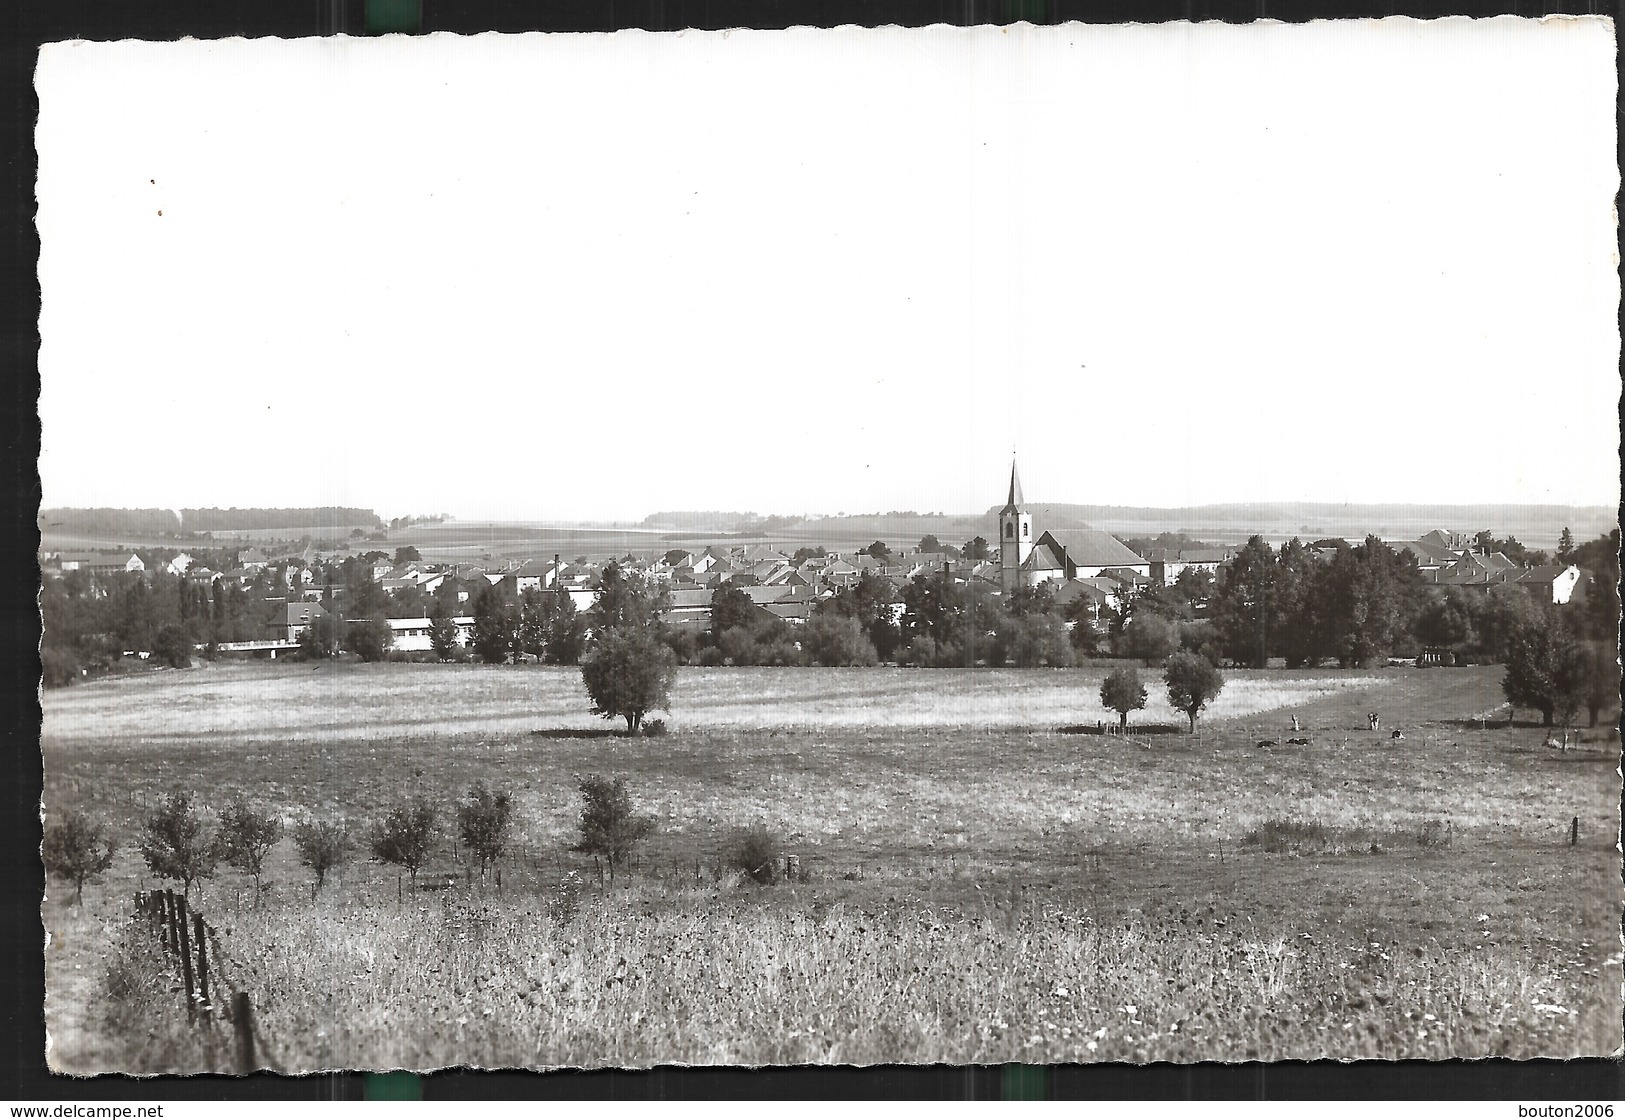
x,y
215,985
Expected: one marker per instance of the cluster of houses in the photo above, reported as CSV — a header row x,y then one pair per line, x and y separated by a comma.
x,y
1079,563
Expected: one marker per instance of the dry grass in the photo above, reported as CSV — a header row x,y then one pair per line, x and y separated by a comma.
x,y
276,702
1116,836
655,975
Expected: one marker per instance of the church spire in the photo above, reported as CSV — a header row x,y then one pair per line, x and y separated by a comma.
x,y
1015,503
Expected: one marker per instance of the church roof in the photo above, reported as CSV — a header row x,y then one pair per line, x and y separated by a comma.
x,y
1090,548
1041,559
1015,502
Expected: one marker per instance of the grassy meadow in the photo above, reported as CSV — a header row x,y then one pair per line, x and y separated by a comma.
x,y
985,878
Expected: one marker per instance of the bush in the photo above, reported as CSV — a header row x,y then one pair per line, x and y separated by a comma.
x,y
1435,834
654,728
837,639
175,844
58,667
565,903
77,849
483,821
404,836
246,837
173,647
1148,638
1290,835
369,638
322,846
610,827
1033,641
756,851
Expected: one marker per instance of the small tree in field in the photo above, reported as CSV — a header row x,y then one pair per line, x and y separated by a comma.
x,y
629,673
483,820
1123,693
246,838
404,836
610,828
1192,682
76,848
442,631
322,846
175,843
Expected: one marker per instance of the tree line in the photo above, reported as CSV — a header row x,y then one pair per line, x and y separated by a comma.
x,y
178,842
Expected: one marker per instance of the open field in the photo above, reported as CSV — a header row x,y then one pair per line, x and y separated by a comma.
x,y
966,861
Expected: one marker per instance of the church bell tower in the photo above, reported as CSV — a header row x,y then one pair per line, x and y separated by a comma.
x,y
1015,535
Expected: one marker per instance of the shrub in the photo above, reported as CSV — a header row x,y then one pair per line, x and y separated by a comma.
x,y
369,638
58,667
322,846
756,852
483,821
404,836
1033,641
175,844
246,837
1280,834
610,828
654,728
565,903
173,647
1435,834
837,639
77,849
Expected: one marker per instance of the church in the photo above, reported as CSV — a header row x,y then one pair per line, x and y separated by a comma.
x,y
1056,554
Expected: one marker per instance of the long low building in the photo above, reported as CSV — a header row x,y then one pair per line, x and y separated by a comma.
x,y
412,635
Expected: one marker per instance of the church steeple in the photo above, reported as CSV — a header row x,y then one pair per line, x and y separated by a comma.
x,y
1015,535
1015,503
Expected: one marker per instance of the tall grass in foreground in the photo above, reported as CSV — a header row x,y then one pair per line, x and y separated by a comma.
x,y
645,976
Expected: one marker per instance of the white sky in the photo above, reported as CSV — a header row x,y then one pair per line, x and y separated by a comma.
x,y
596,276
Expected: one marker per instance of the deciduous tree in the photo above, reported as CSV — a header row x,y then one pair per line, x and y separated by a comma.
x,y
611,828
322,846
176,844
1123,693
629,672
247,834
1192,682
405,835
77,848
482,821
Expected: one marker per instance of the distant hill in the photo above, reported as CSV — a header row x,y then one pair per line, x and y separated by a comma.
x,y
213,520
109,522
1536,525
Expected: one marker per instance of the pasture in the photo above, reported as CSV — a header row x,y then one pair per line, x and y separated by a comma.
x,y
986,878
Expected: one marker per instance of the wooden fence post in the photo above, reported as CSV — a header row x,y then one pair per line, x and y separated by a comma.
x,y
242,1022
1574,832
202,961
169,921
186,961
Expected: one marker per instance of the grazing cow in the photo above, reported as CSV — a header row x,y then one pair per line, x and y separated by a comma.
x,y
1373,722
1295,726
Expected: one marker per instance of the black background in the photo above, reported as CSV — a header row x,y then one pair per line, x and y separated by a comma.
x,y
23,1074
